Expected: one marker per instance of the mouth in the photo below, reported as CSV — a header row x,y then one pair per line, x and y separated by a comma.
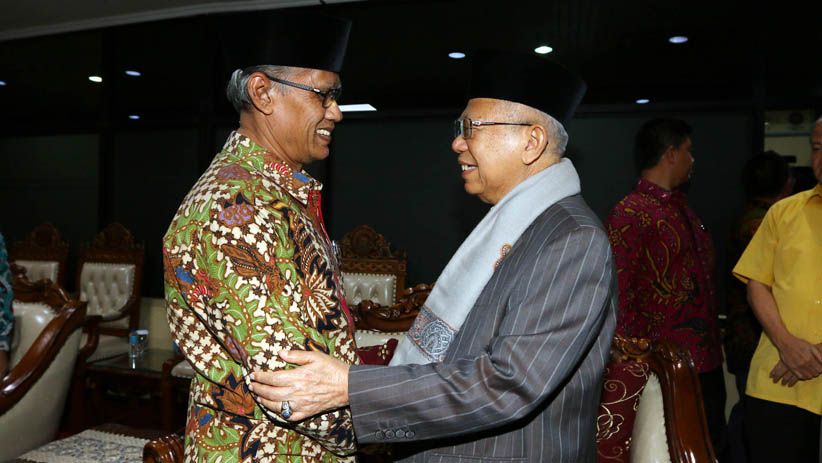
x,y
325,133
467,168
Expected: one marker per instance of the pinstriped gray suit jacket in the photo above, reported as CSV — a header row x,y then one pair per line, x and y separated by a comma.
x,y
521,381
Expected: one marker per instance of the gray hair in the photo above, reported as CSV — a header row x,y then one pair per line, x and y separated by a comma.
x,y
818,121
237,88
556,131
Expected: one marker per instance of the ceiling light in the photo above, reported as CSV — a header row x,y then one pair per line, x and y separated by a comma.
x,y
456,55
677,39
2,83
356,107
134,117
95,79
643,101
133,73
543,49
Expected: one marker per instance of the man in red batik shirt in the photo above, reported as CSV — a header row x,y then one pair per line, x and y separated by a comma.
x,y
664,259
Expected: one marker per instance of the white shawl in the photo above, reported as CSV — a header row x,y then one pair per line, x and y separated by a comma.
x,y
467,273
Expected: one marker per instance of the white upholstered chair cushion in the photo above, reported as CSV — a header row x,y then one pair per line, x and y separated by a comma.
x,y
183,370
365,338
376,287
29,320
649,443
33,420
107,288
40,269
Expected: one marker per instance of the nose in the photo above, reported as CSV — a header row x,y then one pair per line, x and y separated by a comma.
x,y
333,113
459,145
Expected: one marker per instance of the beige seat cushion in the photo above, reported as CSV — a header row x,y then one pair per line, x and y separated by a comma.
x,y
649,443
107,288
40,269
365,338
183,370
33,420
376,287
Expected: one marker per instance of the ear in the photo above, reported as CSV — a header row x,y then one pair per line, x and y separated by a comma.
x,y
538,141
670,154
258,90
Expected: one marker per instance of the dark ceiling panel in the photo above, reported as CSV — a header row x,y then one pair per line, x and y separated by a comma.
x,y
398,56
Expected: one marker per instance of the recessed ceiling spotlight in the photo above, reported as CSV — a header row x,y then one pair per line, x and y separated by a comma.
x,y
456,55
543,49
134,117
643,101
95,79
350,108
2,83
133,73
677,39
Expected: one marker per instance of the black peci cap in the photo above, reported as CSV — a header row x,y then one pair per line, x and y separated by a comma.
x,y
284,38
527,79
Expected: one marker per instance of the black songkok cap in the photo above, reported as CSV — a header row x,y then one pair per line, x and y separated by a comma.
x,y
284,38
527,79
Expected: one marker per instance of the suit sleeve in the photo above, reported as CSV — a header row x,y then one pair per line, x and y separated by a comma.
x,y
552,319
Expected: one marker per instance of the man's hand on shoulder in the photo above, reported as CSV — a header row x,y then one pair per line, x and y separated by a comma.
x,y
317,385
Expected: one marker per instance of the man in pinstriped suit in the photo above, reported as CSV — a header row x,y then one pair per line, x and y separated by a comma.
x,y
505,361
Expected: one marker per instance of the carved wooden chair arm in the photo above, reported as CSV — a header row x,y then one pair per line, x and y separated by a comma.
x,y
40,355
166,449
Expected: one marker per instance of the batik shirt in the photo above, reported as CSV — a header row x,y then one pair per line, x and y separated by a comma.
x,y
249,272
6,295
664,259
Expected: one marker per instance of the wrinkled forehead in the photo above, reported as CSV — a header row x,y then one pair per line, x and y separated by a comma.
x,y
320,78
477,108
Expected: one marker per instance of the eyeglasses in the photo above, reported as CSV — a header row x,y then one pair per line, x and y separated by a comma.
x,y
465,126
332,94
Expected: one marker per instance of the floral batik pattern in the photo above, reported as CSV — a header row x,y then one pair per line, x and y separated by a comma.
x,y
664,259
249,272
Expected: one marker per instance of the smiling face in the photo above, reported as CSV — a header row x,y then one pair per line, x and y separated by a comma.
x,y
304,127
491,160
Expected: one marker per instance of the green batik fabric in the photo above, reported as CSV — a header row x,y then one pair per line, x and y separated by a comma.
x,y
249,272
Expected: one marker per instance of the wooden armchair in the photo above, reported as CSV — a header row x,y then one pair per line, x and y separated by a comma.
x,y
380,328
43,254
369,315
166,449
651,407
371,271
46,343
109,278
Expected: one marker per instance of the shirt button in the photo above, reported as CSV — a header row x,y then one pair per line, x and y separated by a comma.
x,y
400,434
389,434
410,434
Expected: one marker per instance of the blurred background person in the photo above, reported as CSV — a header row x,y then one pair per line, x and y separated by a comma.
x,y
766,178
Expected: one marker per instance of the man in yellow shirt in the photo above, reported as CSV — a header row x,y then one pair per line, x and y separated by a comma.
x,y
782,267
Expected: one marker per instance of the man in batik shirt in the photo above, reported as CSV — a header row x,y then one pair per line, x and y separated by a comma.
x,y
664,259
249,269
